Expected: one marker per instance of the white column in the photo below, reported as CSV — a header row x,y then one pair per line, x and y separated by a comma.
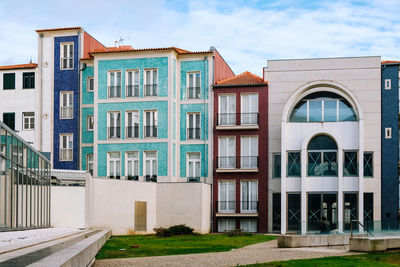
x,y
283,179
340,206
303,191
361,175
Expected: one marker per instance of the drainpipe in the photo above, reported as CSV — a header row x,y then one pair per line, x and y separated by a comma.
x,y
39,96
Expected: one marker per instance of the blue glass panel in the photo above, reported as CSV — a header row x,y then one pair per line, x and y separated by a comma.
x,y
330,110
315,113
299,113
346,112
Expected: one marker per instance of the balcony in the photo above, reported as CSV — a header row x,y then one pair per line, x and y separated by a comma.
x,y
194,92
237,164
237,121
114,91
151,178
132,178
114,132
236,208
132,90
132,131
150,131
150,89
193,133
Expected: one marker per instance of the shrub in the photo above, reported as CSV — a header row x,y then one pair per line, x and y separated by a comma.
x,y
179,229
161,232
238,232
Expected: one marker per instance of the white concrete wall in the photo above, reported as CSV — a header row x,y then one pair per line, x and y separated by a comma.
x,y
67,206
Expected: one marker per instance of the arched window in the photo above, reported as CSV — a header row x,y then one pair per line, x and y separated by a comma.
x,y
323,107
322,156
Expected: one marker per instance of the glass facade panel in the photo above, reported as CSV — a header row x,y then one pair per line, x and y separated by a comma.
x,y
368,164
315,111
299,113
277,166
276,211
350,167
294,165
346,112
330,110
350,211
294,212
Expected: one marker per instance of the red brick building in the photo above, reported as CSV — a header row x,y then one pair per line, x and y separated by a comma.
x,y
240,186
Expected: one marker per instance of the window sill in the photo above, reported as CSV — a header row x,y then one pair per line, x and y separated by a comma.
x,y
236,170
234,214
237,127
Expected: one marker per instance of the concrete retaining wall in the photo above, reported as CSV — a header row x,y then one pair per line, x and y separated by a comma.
x,y
67,206
370,244
297,241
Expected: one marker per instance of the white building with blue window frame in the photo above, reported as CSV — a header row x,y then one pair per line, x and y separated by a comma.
x,y
324,143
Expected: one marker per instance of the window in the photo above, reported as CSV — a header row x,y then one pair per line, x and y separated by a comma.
x,y
226,196
249,152
132,166
67,56
9,81
276,211
226,110
28,120
9,120
151,82
89,163
248,225
193,85
388,84
90,84
322,160
350,166
276,171
66,144
226,225
323,107
114,124
388,133
28,80
150,166
90,122
193,126
226,153
150,127
67,105
193,167
132,83
132,124
114,84
249,196
294,165
114,165
249,109
368,164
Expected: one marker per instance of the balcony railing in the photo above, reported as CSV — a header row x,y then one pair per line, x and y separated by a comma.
x,y
195,179
193,133
132,177
237,206
150,131
151,178
114,91
230,162
235,119
194,92
67,112
117,176
132,131
150,89
114,132
132,90
66,154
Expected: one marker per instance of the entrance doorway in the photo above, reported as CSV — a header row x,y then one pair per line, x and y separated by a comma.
x,y
321,205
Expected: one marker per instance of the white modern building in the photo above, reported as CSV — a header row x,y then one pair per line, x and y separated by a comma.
x,y
324,143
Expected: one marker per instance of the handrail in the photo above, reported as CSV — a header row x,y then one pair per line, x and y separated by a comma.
x,y
364,227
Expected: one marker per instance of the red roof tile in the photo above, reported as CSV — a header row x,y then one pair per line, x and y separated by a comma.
x,y
131,49
245,78
59,29
390,62
19,66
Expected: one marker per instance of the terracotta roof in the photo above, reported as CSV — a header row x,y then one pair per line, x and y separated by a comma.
x,y
131,49
59,29
390,62
245,78
19,66
87,58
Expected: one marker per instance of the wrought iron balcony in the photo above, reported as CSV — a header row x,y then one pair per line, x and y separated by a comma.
x,y
237,119
151,178
114,91
132,131
194,92
132,90
150,131
193,133
236,207
230,162
132,177
114,132
196,179
150,89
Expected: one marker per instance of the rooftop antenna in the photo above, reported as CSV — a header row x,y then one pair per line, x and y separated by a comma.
x,y
120,41
30,61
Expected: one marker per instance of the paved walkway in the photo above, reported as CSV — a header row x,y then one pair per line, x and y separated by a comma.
x,y
258,253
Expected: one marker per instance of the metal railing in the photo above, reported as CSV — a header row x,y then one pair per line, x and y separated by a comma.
x,y
114,132
132,131
196,179
151,178
194,92
132,90
193,133
132,177
237,206
150,89
358,223
150,131
114,91
230,162
233,119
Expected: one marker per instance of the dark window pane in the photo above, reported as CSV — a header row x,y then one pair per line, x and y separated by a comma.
x,y
276,211
294,166
28,80
299,113
322,142
277,166
8,81
9,120
368,164
350,167
346,111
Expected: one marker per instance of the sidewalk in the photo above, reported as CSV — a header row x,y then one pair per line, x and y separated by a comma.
x,y
258,253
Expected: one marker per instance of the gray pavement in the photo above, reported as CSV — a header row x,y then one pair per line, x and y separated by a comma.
x,y
258,253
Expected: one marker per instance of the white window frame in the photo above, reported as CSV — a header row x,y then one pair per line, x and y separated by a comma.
x,y
90,122
133,123
115,83
115,161
388,84
194,120
250,106
194,162
150,159
131,161
188,74
151,82
88,83
115,125
70,46
30,119
69,141
231,205
69,105
250,189
231,119
153,119
243,161
230,151
90,162
135,82
388,133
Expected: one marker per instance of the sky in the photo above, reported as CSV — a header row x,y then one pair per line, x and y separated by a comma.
x,y
246,33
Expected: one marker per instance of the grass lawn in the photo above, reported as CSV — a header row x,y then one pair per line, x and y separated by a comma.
x,y
372,259
150,245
